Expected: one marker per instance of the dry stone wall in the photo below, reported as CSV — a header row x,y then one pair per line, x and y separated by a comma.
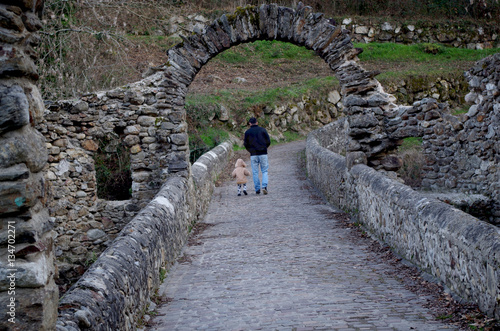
x,y
460,34
28,294
451,89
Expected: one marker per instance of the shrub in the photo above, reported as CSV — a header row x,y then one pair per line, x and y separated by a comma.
x,y
112,165
411,153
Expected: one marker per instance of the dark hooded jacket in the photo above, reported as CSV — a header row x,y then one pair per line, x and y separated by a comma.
x,y
256,140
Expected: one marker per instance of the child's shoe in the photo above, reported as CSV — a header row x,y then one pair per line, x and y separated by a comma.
x,y
239,194
245,192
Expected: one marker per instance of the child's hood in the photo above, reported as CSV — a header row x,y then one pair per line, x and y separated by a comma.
x,y
240,163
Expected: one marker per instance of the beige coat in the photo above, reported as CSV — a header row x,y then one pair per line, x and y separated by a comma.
x,y
240,172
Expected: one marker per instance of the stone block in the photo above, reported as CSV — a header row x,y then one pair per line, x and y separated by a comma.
x,y
23,146
35,309
16,197
131,140
392,162
90,145
16,172
34,273
354,158
10,20
363,121
14,108
361,29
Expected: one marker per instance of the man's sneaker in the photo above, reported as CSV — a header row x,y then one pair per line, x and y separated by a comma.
x,y
257,192
245,192
264,190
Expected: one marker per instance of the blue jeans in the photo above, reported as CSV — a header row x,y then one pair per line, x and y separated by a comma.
x,y
259,161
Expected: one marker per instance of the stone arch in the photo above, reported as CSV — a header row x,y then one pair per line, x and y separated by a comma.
x,y
364,100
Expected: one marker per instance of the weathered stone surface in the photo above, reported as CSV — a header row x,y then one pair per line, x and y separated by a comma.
x,y
334,97
23,146
17,196
36,308
16,172
15,63
363,121
27,275
392,162
94,234
90,145
14,108
131,140
354,158
10,21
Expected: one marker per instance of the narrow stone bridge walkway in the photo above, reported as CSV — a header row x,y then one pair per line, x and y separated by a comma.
x,y
282,262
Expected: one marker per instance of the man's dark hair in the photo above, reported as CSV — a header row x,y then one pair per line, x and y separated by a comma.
x,y
252,120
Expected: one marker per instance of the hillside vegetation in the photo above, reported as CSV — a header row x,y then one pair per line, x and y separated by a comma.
x,y
90,46
94,45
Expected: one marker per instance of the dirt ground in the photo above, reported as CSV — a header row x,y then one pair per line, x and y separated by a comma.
x,y
215,76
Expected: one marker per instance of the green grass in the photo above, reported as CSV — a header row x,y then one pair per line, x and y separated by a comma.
x,y
391,52
398,61
236,147
292,136
410,143
204,139
162,274
264,51
213,136
460,110
245,99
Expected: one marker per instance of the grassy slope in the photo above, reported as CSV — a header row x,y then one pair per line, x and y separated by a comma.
x,y
280,72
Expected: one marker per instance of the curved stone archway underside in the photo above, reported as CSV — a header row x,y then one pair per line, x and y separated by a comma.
x,y
365,102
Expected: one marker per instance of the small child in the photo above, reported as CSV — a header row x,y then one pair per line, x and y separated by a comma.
x,y
240,172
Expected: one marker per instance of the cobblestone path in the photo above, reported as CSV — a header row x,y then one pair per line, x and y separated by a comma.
x,y
280,262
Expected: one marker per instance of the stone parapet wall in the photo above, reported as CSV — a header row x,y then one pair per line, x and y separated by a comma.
x,y
116,289
455,247
456,34
205,171
28,294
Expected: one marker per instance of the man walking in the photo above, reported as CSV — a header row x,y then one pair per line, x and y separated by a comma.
x,y
256,142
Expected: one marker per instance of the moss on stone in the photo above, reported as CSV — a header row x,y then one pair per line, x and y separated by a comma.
x,y
247,11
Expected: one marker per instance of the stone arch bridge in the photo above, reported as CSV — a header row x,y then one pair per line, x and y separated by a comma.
x,y
53,206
